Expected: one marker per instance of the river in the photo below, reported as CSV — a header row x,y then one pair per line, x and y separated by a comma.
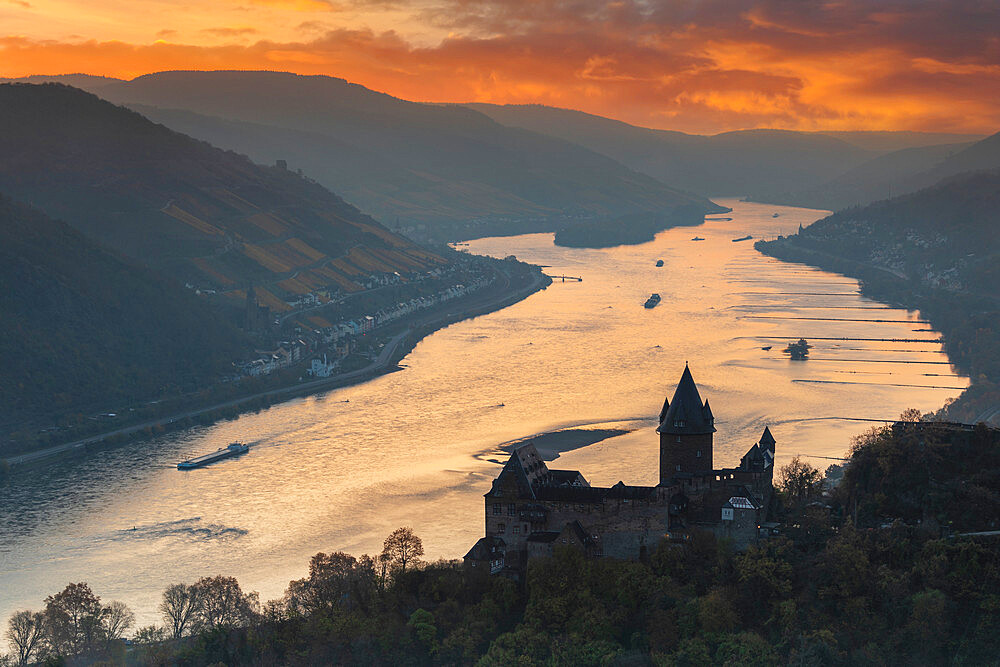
x,y
340,470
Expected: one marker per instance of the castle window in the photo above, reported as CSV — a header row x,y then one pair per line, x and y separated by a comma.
x,y
525,529
511,509
678,468
501,528
678,438
498,508
517,529
698,454
678,423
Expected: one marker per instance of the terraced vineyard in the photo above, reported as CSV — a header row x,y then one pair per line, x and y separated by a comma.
x,y
205,217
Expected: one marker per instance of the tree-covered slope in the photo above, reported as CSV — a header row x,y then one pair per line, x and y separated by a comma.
x,y
199,214
82,328
421,163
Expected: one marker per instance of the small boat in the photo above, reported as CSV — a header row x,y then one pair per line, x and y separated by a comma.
x,y
697,238
775,215
742,238
652,301
233,449
659,262
767,348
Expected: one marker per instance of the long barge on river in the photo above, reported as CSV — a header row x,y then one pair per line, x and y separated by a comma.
x,y
233,449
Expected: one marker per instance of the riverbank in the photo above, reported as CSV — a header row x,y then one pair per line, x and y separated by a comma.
x,y
970,347
402,341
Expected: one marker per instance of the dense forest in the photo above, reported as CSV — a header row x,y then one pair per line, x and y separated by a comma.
x,y
82,328
872,567
936,250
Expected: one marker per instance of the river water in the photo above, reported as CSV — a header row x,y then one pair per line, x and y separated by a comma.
x,y
339,471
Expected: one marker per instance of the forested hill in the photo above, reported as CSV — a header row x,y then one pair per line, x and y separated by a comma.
x,y
199,214
944,236
425,164
937,250
84,329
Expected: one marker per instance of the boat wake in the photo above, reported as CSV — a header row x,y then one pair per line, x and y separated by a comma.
x,y
193,529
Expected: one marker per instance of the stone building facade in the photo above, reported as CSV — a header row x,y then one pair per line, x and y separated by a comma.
x,y
532,509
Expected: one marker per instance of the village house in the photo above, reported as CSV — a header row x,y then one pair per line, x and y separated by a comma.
x,y
532,509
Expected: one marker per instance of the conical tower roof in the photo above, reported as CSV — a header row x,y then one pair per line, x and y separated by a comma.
x,y
767,440
687,414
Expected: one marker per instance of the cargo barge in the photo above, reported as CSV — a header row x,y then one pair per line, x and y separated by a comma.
x,y
234,449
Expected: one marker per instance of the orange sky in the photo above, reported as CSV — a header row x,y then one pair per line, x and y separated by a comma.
x,y
698,66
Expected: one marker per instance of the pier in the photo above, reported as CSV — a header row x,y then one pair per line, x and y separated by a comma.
x,y
569,278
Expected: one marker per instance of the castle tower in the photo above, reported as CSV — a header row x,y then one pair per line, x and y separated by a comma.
x,y
686,431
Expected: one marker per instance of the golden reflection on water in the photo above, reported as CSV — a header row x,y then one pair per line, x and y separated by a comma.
x,y
340,470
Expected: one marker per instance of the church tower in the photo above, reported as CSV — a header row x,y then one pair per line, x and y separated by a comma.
x,y
686,431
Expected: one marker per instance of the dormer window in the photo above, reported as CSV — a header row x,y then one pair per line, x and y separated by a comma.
x,y
678,423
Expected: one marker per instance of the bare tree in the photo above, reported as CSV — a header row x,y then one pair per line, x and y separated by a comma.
x,y
402,547
118,618
25,632
179,608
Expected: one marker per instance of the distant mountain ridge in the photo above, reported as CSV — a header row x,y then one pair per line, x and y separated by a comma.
x,y
421,163
201,215
898,173
755,163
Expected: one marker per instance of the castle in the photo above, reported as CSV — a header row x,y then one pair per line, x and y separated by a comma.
x,y
531,508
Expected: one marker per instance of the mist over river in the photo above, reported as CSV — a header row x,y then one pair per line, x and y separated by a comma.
x,y
340,470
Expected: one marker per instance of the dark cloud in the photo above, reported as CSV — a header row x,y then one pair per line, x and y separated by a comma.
x,y
696,65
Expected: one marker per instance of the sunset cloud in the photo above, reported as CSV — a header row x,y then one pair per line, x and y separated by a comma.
x,y
230,32
702,66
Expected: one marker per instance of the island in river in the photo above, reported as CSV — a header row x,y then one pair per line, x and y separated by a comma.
x,y
631,229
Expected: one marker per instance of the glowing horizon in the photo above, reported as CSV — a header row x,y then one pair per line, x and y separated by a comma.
x,y
695,66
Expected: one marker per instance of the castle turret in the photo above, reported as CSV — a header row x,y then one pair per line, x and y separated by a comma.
x,y
686,431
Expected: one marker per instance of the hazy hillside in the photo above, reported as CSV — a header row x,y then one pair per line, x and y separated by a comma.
x,y
751,162
898,173
887,175
983,154
421,163
761,164
82,328
900,140
199,214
